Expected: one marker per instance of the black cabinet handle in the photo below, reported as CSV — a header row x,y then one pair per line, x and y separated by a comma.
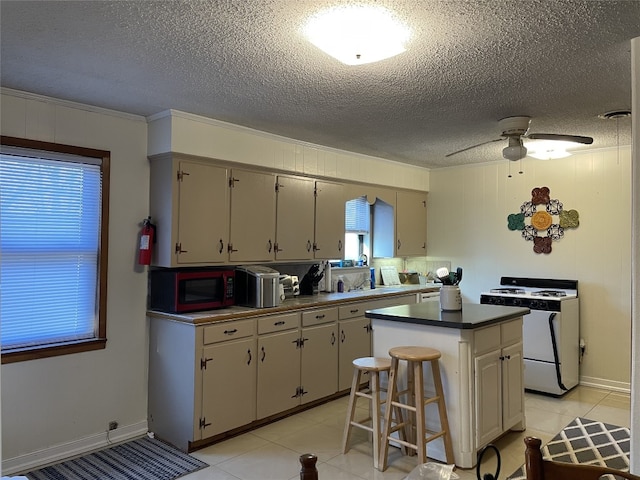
x,y
231,332
264,354
250,357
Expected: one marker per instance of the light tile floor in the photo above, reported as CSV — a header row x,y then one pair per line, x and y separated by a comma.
x,y
272,452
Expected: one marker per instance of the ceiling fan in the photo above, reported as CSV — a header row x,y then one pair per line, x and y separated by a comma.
x,y
515,129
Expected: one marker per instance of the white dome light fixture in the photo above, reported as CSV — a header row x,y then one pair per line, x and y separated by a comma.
x,y
549,154
549,149
357,34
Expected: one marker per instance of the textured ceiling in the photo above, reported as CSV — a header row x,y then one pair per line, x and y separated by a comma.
x,y
468,64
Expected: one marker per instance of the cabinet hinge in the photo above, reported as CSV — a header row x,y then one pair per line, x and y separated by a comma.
x,y
181,175
300,391
179,248
203,363
315,191
203,423
277,187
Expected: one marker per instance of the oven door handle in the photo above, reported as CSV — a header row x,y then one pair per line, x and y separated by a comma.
x,y
554,344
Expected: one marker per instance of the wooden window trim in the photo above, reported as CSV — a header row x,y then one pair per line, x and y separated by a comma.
x,y
99,341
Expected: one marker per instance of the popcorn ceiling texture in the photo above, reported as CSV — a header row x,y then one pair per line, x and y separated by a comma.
x,y
468,64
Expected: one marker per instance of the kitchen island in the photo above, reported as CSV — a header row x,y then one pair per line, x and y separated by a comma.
x,y
481,366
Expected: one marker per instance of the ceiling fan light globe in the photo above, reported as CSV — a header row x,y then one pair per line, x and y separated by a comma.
x,y
514,153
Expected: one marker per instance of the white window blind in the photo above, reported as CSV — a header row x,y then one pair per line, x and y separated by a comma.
x,y
49,241
357,216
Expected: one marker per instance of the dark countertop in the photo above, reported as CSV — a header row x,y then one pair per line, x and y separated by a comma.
x,y
471,316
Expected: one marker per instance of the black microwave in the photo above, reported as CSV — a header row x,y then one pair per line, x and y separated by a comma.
x,y
190,290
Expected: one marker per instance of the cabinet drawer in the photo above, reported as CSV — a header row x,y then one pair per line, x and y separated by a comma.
x,y
486,339
352,311
229,331
278,323
511,332
317,317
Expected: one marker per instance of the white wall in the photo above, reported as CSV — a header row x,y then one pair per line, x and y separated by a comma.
x,y
468,209
61,405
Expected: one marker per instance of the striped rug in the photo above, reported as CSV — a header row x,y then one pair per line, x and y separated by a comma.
x,y
587,442
141,459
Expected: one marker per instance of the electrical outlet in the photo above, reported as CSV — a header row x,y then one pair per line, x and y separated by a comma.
x,y
113,425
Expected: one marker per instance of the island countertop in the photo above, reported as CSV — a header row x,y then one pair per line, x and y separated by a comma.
x,y
471,316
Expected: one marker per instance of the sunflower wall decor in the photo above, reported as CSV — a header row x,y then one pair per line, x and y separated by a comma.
x,y
542,221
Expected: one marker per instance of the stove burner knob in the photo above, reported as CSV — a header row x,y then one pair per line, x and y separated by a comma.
x,y
516,302
534,304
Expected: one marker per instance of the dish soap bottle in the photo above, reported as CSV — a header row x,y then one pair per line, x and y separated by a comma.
x,y
340,284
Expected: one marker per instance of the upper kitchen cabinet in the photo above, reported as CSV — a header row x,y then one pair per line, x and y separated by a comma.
x,y
189,203
400,228
384,234
253,213
329,221
411,224
294,218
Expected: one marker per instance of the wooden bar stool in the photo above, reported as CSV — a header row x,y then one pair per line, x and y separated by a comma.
x,y
374,366
415,403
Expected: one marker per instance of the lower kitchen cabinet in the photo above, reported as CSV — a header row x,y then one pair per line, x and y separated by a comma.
x,y
278,372
355,342
499,380
202,380
482,377
319,354
228,386
206,380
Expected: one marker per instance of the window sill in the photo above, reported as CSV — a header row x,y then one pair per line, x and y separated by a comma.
x,y
35,353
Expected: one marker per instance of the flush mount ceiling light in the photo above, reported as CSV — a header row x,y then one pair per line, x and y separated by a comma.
x,y
549,150
549,154
357,34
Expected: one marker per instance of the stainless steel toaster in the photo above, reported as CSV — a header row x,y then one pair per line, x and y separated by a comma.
x,y
257,286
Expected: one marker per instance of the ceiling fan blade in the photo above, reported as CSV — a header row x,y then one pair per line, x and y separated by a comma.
x,y
474,146
564,138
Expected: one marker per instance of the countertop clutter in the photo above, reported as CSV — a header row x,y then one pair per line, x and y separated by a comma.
x,y
295,303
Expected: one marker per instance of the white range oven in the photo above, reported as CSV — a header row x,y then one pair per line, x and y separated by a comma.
x,y
551,332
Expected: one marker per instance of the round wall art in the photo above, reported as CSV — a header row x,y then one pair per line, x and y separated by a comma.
x,y
543,226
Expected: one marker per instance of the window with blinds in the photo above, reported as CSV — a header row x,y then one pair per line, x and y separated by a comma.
x,y
357,226
357,215
52,276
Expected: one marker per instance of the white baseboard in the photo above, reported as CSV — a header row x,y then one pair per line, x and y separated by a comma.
x,y
81,446
624,387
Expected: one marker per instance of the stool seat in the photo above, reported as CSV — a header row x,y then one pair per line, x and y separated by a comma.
x,y
415,354
373,366
414,428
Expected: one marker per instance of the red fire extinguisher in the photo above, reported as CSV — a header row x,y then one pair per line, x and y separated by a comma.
x,y
147,239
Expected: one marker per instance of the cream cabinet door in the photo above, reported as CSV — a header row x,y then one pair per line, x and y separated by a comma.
x,y
278,372
228,386
203,213
253,216
411,224
319,362
329,221
512,385
294,218
488,386
354,342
